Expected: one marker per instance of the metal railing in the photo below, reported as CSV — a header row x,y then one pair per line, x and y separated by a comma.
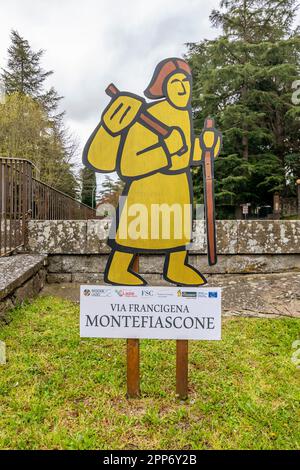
x,y
24,197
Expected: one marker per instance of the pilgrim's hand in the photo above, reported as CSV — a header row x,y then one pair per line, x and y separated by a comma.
x,y
121,113
175,142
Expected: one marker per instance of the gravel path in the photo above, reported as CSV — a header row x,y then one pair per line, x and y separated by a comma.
x,y
253,295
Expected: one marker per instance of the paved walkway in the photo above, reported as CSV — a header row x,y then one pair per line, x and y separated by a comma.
x,y
253,295
265,295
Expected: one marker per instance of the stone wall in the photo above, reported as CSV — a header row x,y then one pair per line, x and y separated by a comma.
x,y
78,252
90,268
235,237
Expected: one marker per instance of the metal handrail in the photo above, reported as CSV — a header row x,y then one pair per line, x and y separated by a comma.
x,y
62,193
42,182
24,197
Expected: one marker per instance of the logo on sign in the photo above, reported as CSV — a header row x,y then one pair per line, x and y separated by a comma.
x,y
97,292
187,294
213,294
165,294
125,293
202,294
147,293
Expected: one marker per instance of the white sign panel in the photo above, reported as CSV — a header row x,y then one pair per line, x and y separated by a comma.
x,y
245,209
150,312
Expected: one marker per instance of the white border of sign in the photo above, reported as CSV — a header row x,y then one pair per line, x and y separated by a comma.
x,y
150,312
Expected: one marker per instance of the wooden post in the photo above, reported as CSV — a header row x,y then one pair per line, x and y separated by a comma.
x,y
133,357
182,368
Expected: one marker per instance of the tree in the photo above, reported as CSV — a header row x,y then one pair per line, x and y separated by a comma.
x,y
111,190
31,125
88,187
244,78
25,75
25,133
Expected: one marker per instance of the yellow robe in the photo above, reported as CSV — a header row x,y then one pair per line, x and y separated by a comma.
x,y
154,179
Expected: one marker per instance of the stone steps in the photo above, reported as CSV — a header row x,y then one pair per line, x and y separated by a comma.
x,y
21,277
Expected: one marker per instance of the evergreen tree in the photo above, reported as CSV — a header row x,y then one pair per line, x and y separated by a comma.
x,y
24,73
244,78
88,187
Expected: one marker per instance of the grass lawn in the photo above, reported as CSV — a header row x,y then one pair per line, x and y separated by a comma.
x,y
58,391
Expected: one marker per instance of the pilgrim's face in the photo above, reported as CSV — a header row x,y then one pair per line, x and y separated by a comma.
x,y
179,90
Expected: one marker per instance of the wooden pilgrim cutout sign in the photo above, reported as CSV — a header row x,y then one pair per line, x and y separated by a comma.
x,y
152,147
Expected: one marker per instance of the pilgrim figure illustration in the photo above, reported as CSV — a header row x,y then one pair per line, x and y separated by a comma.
x,y
152,147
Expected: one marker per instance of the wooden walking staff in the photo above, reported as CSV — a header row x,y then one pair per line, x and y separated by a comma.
x,y
208,141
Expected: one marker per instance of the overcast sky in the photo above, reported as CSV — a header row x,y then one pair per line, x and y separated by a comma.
x,y
90,43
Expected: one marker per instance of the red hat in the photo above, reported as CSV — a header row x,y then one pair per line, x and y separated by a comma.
x,y
165,68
